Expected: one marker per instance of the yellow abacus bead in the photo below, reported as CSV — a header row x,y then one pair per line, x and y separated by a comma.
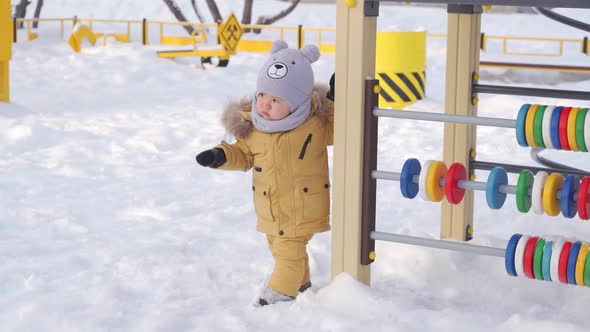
x,y
437,170
475,100
475,76
376,89
486,7
473,153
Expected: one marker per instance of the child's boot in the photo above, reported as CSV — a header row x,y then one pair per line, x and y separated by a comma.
x,y
271,296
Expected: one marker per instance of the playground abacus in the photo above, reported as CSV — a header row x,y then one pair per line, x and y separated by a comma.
x,y
549,191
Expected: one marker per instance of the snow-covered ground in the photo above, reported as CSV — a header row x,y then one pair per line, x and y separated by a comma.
x,y
107,222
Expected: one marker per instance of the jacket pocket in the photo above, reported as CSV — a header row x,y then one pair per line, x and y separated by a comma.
x,y
315,198
262,203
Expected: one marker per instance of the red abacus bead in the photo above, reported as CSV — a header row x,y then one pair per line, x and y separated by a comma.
x,y
563,258
456,173
565,112
583,204
529,255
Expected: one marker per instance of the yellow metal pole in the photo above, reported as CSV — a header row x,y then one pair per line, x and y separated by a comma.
x,y
561,48
5,49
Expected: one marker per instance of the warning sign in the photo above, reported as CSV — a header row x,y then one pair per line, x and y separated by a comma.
x,y
230,33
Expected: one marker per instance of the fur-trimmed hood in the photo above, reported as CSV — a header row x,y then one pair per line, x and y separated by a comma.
x,y
237,120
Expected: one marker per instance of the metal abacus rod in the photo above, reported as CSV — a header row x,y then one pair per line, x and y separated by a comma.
x,y
510,168
533,92
441,117
439,244
463,184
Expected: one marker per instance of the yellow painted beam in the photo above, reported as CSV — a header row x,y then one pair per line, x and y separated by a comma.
x,y
222,54
463,43
355,60
5,49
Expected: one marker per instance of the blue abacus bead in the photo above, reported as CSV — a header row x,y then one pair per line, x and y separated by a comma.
x,y
571,263
520,125
546,266
569,207
494,197
509,254
409,188
554,125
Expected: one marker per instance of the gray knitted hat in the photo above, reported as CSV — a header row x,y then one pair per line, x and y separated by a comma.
x,y
287,73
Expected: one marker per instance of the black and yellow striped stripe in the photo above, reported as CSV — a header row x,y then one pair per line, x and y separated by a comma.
x,y
402,87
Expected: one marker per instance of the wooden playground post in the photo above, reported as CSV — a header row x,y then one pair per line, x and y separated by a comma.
x,y
6,36
355,60
463,41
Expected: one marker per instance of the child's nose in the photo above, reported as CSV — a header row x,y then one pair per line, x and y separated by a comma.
x,y
266,103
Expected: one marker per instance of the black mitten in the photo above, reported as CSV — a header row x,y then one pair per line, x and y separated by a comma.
x,y
211,158
331,92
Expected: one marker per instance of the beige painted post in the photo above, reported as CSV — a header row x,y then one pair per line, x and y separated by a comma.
x,y
5,49
355,60
463,41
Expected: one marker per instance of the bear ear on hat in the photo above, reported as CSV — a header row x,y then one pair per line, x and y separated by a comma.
x,y
278,45
311,52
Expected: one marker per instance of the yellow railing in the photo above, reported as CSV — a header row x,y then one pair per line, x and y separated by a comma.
x,y
198,28
302,35
506,39
262,45
32,35
121,37
324,47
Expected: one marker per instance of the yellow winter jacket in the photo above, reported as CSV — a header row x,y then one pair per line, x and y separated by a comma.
x,y
290,181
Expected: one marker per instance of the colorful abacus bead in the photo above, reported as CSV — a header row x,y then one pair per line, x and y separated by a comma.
x,y
455,174
407,185
422,180
436,172
537,193
580,121
521,125
571,185
523,185
551,203
494,197
583,202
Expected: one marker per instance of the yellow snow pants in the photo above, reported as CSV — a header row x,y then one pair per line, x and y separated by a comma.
x,y
291,263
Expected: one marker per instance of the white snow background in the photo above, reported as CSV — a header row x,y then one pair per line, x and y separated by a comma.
x,y
108,224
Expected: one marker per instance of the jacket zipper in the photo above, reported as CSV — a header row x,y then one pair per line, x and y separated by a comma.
x,y
307,141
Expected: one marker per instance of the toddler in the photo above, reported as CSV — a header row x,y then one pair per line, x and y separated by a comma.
x,y
282,134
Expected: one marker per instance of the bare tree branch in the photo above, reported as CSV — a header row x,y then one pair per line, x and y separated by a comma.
x,y
214,11
247,13
37,13
270,20
178,14
197,11
21,11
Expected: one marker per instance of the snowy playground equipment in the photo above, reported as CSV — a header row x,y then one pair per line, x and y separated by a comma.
x,y
82,32
5,50
229,33
355,137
